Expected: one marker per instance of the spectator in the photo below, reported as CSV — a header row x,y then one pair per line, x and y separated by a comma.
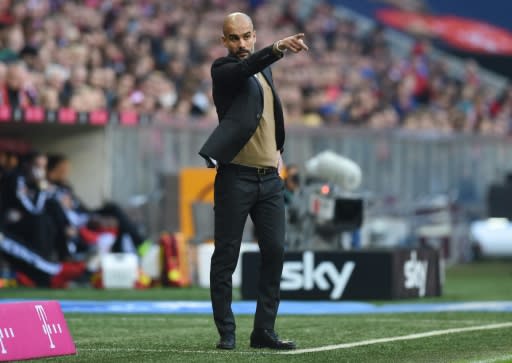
x,y
77,80
139,56
49,99
12,43
78,215
27,212
13,92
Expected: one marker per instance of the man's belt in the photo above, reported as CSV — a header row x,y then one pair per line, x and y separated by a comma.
x,y
249,169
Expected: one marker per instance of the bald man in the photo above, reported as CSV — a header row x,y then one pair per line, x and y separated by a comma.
x,y
245,147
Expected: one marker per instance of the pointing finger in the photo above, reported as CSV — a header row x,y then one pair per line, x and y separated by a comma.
x,y
303,45
300,45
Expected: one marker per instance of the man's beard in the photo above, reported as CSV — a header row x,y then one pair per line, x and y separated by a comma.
x,y
243,53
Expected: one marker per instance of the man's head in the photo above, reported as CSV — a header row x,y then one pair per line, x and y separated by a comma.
x,y
239,35
35,166
15,76
58,168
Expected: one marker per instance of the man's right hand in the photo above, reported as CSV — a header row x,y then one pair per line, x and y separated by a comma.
x,y
294,43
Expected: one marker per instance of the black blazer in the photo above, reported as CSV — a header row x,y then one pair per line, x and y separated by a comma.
x,y
238,98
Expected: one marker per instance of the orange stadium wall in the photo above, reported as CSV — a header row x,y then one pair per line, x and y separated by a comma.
x,y
195,186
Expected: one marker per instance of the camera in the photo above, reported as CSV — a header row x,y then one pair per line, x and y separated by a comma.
x,y
327,205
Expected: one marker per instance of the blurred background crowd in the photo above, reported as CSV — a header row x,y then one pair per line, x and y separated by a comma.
x,y
155,57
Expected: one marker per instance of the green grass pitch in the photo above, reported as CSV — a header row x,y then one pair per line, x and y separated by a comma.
x,y
192,338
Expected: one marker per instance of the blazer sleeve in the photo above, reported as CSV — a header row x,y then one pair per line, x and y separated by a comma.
x,y
230,71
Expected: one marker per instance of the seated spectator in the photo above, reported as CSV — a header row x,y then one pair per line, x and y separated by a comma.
x,y
13,92
12,43
8,163
28,213
50,99
72,216
108,217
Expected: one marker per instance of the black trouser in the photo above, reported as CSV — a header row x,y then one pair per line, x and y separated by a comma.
x,y
38,232
240,192
22,258
60,222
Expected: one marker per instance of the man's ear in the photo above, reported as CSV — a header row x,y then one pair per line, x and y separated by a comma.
x,y
223,39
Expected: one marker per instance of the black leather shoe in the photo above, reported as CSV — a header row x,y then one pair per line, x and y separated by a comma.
x,y
226,342
265,338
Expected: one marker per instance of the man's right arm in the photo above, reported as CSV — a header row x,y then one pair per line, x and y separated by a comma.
x,y
230,71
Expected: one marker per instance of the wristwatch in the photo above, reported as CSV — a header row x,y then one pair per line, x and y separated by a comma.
x,y
277,49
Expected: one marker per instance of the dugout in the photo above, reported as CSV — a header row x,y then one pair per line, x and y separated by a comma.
x,y
114,156
84,137
86,147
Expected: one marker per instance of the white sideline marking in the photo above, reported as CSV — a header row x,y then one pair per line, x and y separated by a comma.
x,y
427,334
432,321
495,359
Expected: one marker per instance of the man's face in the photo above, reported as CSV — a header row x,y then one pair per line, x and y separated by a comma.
x,y
39,168
239,38
61,172
14,77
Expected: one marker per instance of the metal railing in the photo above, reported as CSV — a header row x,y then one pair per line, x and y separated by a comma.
x,y
395,164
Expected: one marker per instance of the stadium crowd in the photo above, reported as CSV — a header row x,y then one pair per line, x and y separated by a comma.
x,y
155,57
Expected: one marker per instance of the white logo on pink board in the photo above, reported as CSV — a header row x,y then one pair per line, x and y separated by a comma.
x,y
5,333
33,330
47,328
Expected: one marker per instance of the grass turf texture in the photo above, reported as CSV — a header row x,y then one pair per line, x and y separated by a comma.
x,y
177,338
192,338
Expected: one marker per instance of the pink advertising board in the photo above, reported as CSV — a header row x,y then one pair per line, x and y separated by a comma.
x,y
32,330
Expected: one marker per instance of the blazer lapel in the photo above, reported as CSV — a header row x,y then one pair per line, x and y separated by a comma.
x,y
267,73
268,77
